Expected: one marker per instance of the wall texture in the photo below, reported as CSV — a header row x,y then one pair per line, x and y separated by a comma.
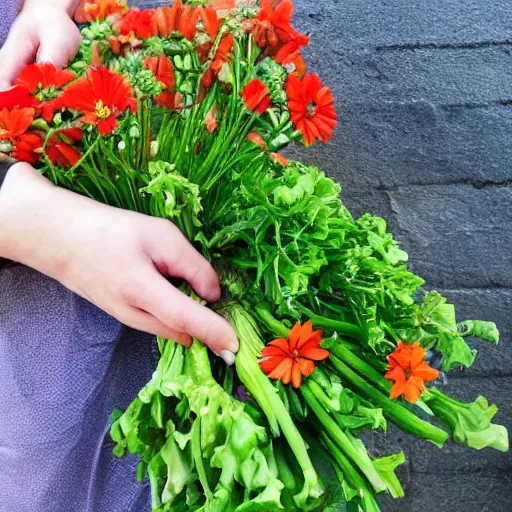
x,y
424,95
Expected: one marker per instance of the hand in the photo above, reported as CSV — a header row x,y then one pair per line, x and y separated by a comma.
x,y
44,31
114,258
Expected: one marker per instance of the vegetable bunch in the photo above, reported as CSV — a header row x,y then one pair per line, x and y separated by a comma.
x,y
180,112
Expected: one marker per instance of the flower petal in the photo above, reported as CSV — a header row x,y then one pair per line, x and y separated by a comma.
x,y
425,372
306,366
283,371
296,375
413,389
315,354
268,365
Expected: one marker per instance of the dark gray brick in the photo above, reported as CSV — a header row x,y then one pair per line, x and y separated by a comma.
x,y
456,236
494,305
369,24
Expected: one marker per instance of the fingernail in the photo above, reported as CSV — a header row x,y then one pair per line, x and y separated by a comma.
x,y
44,59
228,356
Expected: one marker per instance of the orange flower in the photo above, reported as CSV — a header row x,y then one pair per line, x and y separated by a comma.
x,y
288,360
178,17
122,44
141,23
409,371
256,96
278,158
17,97
257,139
211,119
92,10
60,148
27,148
102,96
15,122
311,107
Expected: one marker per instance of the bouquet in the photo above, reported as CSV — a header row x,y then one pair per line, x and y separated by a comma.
x,y
181,112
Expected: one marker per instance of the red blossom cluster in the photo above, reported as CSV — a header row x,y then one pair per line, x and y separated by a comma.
x,y
100,96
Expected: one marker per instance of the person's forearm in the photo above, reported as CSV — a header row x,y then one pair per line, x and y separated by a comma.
x,y
67,5
30,215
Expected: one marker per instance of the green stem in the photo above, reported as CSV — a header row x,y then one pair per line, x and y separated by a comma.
x,y
362,367
342,441
198,459
402,417
273,325
342,328
353,477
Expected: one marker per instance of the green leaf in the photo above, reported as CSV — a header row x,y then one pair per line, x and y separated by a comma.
x,y
386,467
469,424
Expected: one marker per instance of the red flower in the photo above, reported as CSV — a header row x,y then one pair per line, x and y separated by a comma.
x,y
272,28
225,46
37,77
102,96
92,10
311,108
27,148
288,360
256,96
15,122
167,99
142,23
60,148
409,371
44,81
162,68
17,97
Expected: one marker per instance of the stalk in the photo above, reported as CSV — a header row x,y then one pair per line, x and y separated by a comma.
x,y
402,417
353,477
342,441
362,367
268,398
342,328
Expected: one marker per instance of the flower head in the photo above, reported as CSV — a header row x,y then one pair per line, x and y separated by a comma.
x,y
178,17
15,122
288,360
162,68
92,10
272,29
311,107
44,81
102,96
409,371
256,96
60,148
27,148
17,96
142,23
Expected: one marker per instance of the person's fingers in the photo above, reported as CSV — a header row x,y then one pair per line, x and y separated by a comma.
x,y
183,314
59,46
145,322
19,50
173,255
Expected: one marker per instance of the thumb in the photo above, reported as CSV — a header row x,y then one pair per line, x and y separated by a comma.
x,y
59,45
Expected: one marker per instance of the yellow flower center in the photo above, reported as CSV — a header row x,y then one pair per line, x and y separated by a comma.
x,y
102,111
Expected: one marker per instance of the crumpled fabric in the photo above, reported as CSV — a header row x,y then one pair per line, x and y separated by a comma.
x,y
64,366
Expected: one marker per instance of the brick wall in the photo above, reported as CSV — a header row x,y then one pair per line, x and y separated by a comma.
x,y
424,94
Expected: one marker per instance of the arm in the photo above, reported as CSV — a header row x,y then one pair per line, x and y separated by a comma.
x,y
116,259
44,30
